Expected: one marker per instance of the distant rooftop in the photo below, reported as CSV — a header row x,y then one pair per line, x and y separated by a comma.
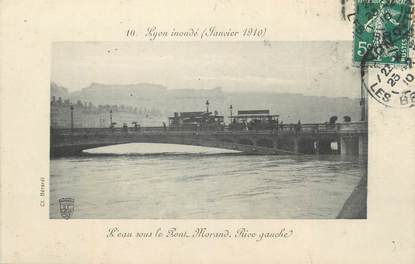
x,y
253,112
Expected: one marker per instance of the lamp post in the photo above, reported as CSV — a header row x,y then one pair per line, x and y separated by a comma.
x,y
207,106
363,110
72,118
110,118
230,110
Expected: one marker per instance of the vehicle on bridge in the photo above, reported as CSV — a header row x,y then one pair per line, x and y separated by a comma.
x,y
196,121
254,120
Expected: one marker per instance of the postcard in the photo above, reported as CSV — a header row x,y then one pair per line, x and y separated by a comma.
x,y
207,132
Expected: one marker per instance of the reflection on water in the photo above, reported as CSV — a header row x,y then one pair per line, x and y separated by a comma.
x,y
204,183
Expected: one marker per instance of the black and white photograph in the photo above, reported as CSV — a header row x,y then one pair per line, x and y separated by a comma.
x,y
207,130
214,131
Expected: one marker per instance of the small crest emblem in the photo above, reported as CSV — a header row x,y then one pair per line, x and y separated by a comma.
x,y
67,206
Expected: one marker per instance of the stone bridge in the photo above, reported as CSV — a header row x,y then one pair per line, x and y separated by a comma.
x,y
350,139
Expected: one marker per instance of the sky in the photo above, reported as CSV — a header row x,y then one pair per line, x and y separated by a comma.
x,y
320,68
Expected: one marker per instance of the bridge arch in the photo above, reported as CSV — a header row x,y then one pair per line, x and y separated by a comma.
x,y
227,140
306,145
325,146
245,141
68,142
265,142
286,143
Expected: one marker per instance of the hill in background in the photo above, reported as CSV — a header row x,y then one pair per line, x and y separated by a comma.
x,y
290,107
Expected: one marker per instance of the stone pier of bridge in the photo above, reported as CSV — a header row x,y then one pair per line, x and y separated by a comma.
x,y
353,145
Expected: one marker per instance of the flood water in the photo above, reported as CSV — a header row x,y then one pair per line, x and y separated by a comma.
x,y
149,181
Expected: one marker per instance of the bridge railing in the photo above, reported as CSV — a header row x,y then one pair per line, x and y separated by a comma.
x,y
353,127
285,129
323,128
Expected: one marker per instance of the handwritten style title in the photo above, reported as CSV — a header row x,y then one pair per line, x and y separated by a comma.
x,y
200,233
153,33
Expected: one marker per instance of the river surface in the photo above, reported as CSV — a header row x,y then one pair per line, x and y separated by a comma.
x,y
150,181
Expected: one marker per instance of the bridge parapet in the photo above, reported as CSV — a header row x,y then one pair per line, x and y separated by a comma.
x,y
353,127
293,129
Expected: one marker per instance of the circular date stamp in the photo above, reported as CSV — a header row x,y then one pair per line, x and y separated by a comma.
x,y
392,86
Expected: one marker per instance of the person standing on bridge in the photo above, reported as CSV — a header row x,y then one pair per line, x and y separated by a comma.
x,y
277,124
299,126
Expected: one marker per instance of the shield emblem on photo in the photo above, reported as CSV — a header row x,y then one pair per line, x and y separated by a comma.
x,y
66,206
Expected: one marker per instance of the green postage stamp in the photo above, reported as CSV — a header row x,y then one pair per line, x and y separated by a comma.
x,y
383,32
